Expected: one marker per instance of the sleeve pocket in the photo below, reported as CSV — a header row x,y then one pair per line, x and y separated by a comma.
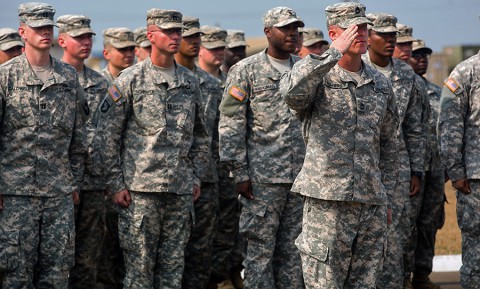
x,y
314,248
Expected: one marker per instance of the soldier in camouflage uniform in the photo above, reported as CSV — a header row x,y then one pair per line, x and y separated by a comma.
x,y
11,44
75,37
42,155
152,141
432,213
143,47
118,50
235,50
261,142
458,131
313,42
198,255
349,123
382,39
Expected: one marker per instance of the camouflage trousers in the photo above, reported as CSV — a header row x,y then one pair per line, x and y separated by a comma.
x,y
198,255
270,223
225,253
430,220
392,273
110,266
411,242
37,241
468,218
154,231
342,244
90,232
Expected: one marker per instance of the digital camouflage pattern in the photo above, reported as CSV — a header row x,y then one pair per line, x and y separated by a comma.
x,y
9,38
36,14
344,123
260,140
118,37
458,131
108,75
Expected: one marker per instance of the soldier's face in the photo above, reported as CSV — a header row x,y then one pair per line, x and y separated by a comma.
x,y
316,48
419,62
120,58
142,52
78,47
10,53
213,56
190,45
234,55
165,40
382,44
40,38
285,38
403,51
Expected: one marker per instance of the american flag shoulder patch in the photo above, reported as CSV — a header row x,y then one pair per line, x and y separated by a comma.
x,y
115,93
237,93
452,84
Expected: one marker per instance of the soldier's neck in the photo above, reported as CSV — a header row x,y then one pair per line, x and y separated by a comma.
x,y
37,57
351,62
73,61
188,62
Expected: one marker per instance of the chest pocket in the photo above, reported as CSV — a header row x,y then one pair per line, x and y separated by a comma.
x,y
19,112
62,100
402,90
373,107
337,100
149,111
264,104
180,108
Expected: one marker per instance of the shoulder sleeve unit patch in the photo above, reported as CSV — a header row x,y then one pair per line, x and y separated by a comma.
x,y
237,93
452,84
115,93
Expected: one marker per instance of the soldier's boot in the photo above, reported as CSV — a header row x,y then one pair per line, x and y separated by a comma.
x,y
236,278
423,282
225,284
407,283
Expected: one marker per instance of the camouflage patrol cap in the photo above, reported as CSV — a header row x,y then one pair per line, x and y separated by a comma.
x,y
235,38
213,37
345,14
419,47
191,26
281,16
404,33
9,38
140,36
36,14
74,25
382,22
118,37
164,19
312,36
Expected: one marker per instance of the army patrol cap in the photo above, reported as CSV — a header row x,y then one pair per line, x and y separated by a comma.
x,y
404,33
213,37
118,37
236,38
312,36
382,22
281,16
36,14
140,37
346,14
418,46
164,19
191,26
74,25
9,38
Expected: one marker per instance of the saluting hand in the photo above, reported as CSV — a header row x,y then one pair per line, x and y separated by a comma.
x,y
343,42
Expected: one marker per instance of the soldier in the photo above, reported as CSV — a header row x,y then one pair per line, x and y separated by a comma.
x,y
313,42
152,141
11,44
458,130
235,50
75,37
350,120
299,45
261,143
432,213
198,255
118,50
212,50
382,39
143,47
42,153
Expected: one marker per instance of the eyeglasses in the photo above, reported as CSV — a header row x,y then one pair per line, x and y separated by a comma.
x,y
419,56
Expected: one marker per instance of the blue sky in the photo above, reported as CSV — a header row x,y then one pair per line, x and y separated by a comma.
x,y
440,22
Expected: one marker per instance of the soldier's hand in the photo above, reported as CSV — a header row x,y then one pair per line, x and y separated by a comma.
x,y
414,185
245,189
343,42
76,198
122,198
1,202
196,192
462,185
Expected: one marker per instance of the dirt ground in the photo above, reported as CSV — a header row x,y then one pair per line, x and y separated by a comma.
x,y
448,238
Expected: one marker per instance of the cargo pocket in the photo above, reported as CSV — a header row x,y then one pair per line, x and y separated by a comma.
x,y
9,250
314,248
69,254
129,229
252,218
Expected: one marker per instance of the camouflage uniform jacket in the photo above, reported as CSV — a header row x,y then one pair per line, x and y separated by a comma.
x,y
411,134
42,132
108,75
95,87
433,161
351,130
151,135
459,121
260,138
212,90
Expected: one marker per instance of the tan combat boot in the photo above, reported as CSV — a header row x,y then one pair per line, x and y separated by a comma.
x,y
423,282
225,284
